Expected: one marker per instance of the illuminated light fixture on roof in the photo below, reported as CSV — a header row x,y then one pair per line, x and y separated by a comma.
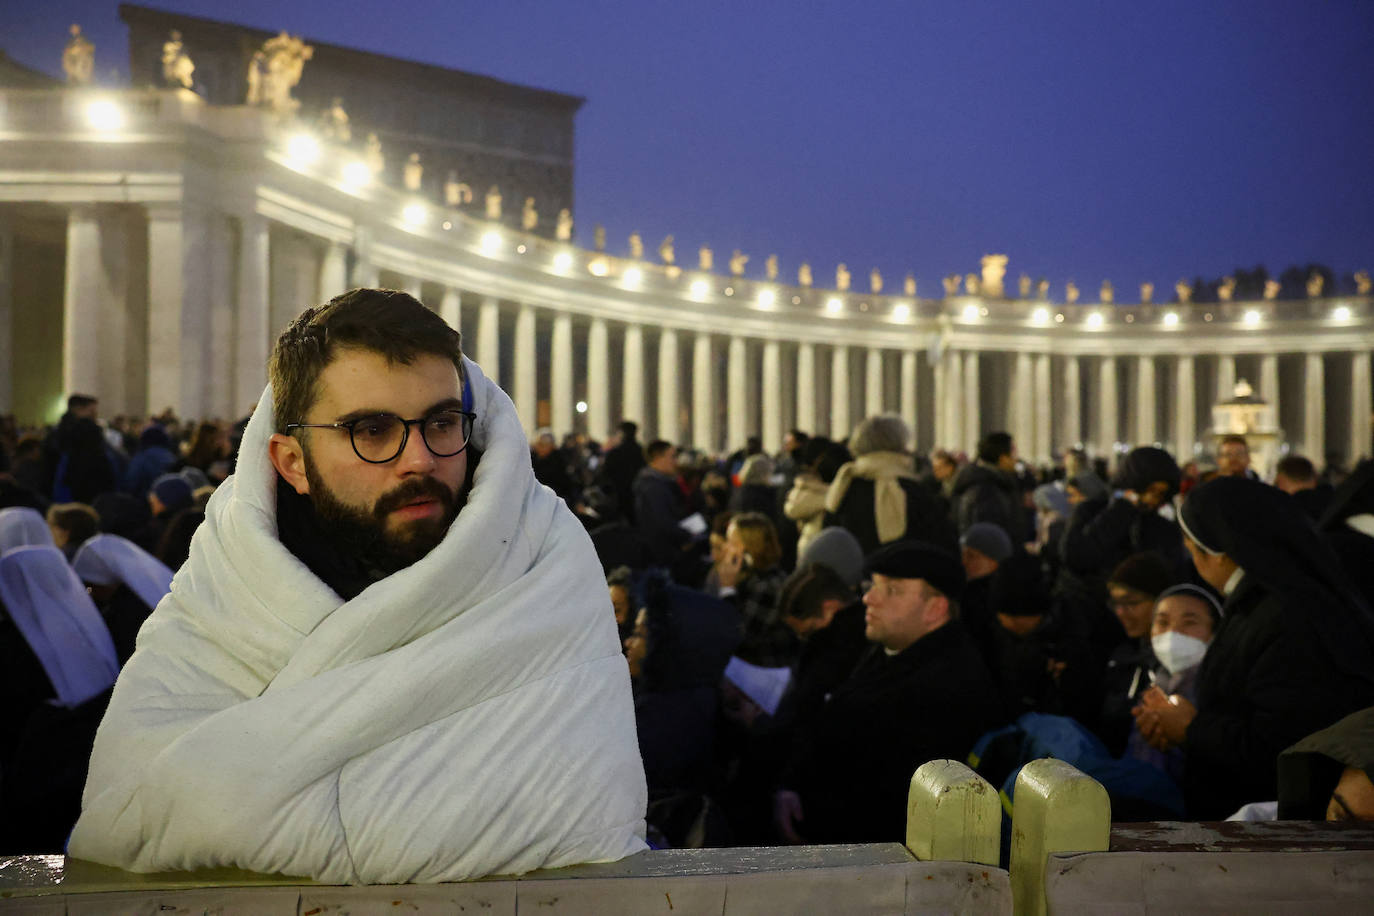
x,y
415,214
581,407
633,276
1095,320
901,311
1041,315
1171,319
599,267
446,225
491,241
833,305
700,288
563,260
356,174
1341,313
520,249
767,298
1252,318
971,312
103,114
303,149
1059,318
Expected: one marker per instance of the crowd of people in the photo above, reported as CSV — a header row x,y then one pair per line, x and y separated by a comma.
x,y
804,629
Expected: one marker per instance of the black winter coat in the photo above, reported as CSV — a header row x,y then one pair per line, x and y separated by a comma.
x,y
852,767
1265,683
926,518
985,494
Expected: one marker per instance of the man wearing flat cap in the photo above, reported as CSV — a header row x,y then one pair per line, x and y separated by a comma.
x,y
923,692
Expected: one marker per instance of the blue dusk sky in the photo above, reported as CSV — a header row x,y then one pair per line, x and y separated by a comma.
x,y
1086,140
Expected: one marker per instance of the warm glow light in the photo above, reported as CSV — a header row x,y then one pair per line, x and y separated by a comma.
x,y
303,149
767,298
833,306
1095,320
415,214
970,313
901,311
1171,319
1252,318
102,114
563,260
447,225
1341,313
599,267
633,276
1041,316
581,407
700,288
491,241
357,174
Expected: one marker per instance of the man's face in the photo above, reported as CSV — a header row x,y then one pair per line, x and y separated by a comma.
x,y
544,446
666,461
895,614
942,469
407,504
1132,607
1233,459
1007,462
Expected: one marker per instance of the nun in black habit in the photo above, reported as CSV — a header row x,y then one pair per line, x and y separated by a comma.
x,y
1294,652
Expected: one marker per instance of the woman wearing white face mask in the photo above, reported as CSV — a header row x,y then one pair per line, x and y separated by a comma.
x,y
1181,627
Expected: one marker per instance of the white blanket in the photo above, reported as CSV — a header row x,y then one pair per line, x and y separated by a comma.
x,y
469,715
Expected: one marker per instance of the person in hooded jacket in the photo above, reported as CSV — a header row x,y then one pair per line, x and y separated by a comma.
x,y
1294,652
1132,590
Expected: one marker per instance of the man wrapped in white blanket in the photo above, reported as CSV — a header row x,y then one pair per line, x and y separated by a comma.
x,y
466,712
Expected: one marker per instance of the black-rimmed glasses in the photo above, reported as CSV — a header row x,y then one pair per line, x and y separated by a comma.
x,y
382,437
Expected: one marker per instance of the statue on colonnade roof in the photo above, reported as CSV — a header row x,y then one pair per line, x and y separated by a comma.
x,y
562,230
1226,289
78,58
1184,292
1042,289
706,259
599,237
275,70
737,262
971,286
841,277
1315,282
909,284
1023,286
875,281
666,254
1071,292
951,284
1271,288
994,271
372,154
1362,284
493,203
413,174
1105,293
529,216
636,246
770,267
1147,292
804,274
334,122
456,193
177,68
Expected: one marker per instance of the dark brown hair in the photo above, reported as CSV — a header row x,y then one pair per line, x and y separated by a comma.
x,y
384,321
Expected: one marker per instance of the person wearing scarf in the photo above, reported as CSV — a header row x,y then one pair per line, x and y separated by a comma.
x,y
1294,652
878,496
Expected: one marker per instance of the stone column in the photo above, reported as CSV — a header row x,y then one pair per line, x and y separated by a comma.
x,y
1107,420
737,380
1145,433
415,288
669,422
178,310
771,397
85,289
365,272
1022,427
1044,412
451,310
873,382
598,379
489,339
6,315
333,271
952,404
703,394
1314,410
251,318
1269,381
1360,396
1073,404
806,388
219,370
1226,376
909,404
561,414
1185,410
973,419
840,425
633,375
526,382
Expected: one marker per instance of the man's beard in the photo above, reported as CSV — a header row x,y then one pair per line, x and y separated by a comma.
x,y
364,534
